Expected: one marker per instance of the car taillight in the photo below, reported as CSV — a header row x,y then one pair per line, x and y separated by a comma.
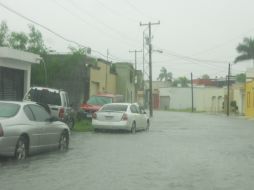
x,y
125,117
1,131
94,116
61,113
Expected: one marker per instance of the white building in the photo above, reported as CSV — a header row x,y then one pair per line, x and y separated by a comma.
x,y
15,72
209,99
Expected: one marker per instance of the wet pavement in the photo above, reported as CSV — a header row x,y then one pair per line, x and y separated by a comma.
x,y
181,151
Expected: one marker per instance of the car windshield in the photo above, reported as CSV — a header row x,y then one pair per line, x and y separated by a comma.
x,y
8,109
117,108
44,96
99,100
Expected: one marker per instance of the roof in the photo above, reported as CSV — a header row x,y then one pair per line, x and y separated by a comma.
x,y
8,53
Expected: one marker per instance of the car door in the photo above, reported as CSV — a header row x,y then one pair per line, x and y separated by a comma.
x,y
143,117
136,115
34,130
49,132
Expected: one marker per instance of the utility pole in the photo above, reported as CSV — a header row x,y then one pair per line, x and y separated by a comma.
x,y
228,89
135,52
135,72
192,102
150,66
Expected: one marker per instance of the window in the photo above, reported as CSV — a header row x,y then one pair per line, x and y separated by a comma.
x,y
44,96
134,109
8,109
117,108
99,100
39,112
29,113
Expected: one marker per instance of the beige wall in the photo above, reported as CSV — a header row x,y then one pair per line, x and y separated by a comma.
x,y
101,80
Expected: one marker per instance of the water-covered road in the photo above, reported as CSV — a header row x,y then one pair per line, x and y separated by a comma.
x,y
181,151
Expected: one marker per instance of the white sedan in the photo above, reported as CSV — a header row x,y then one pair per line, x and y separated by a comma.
x,y
121,116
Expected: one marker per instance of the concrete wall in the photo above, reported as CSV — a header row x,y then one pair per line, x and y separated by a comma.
x,y
209,99
205,99
180,98
125,81
101,80
249,99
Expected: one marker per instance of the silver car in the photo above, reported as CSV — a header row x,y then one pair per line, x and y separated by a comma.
x,y
121,116
27,128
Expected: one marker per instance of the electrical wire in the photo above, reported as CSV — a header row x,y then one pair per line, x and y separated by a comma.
x,y
40,25
120,34
48,29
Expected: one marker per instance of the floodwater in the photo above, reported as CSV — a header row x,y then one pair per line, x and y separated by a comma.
x,y
182,151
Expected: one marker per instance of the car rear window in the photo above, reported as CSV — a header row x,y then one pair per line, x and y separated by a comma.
x,y
8,109
99,100
118,108
44,96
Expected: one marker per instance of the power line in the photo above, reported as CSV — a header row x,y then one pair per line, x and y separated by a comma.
x,y
115,12
42,26
82,10
49,30
192,58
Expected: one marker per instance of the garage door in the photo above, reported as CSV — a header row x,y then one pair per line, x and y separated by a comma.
x,y
11,84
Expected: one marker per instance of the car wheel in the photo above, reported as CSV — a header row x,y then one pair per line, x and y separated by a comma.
x,y
71,123
64,141
147,126
21,151
133,128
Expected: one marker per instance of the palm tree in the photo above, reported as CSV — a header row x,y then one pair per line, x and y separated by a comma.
x,y
246,50
165,75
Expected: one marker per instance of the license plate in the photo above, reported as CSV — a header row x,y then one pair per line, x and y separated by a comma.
x,y
109,117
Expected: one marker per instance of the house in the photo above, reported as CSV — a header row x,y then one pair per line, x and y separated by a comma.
x,y
102,79
249,93
80,75
15,72
125,81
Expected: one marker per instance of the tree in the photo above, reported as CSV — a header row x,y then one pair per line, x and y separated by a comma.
x,y
246,50
18,40
3,34
165,75
35,41
182,81
241,78
205,76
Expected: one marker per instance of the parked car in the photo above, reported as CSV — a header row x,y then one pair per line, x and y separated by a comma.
x,y
27,128
121,116
94,103
57,100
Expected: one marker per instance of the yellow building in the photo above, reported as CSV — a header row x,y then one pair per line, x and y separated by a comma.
x,y
101,79
249,99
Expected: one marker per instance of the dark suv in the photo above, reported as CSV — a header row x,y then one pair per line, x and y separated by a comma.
x,y
57,101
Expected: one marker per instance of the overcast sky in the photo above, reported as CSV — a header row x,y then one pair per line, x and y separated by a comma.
x,y
201,29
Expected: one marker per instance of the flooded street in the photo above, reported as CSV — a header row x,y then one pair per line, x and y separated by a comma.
x,y
181,151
